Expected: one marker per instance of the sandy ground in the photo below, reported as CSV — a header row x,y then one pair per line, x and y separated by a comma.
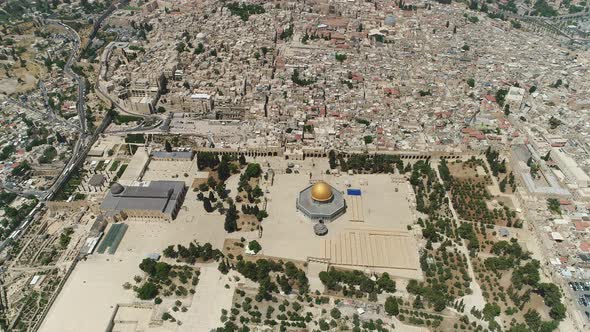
x,y
8,85
399,326
11,85
89,296
211,296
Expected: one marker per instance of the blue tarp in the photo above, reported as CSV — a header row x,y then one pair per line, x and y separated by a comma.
x,y
353,192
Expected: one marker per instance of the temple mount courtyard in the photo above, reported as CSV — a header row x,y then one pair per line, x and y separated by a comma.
x,y
366,217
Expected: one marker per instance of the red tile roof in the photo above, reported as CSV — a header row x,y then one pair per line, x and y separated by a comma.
x,y
581,225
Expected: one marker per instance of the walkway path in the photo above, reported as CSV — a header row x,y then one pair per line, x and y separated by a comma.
x,y
475,299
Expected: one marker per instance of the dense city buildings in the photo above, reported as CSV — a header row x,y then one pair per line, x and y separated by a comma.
x,y
323,165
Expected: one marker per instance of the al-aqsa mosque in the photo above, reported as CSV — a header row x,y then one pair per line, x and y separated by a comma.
x,y
320,202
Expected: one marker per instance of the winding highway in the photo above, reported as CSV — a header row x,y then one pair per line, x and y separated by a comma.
x,y
79,151
82,141
85,139
81,147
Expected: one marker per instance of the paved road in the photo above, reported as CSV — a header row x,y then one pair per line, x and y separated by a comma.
x,y
162,120
81,109
81,147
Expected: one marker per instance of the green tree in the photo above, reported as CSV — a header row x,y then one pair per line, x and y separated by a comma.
x,y
553,205
335,313
490,311
501,96
169,252
257,192
180,47
147,291
261,215
502,185
385,283
391,306
221,190
332,159
519,328
557,312
418,302
231,218
207,204
162,270
148,265
223,171
527,274
254,246
550,293
533,319
199,49
222,267
340,57
211,182
554,122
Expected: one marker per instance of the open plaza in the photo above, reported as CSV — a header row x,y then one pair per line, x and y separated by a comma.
x,y
370,235
374,224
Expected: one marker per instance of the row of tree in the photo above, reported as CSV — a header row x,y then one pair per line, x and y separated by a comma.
x,y
430,194
224,167
497,165
269,273
193,252
337,280
365,163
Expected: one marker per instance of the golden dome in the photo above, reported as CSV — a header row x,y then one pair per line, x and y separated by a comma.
x,y
321,192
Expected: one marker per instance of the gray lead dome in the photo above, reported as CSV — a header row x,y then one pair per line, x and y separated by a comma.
x,y
320,229
117,188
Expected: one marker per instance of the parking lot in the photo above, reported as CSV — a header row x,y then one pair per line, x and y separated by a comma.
x,y
581,291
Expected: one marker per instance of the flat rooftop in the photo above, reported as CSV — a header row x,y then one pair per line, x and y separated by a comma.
x,y
155,196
